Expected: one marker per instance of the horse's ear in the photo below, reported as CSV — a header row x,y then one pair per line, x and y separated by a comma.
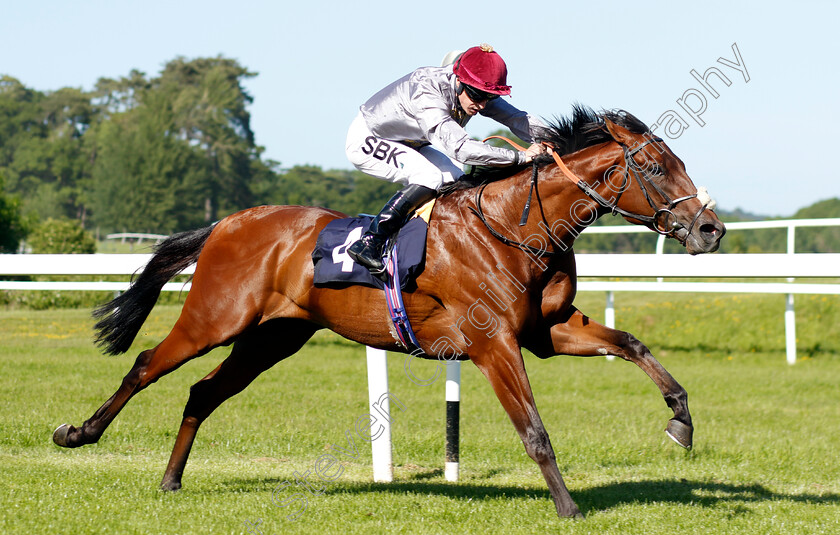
x,y
619,133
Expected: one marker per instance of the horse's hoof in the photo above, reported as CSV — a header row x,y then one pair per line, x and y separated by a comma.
x,y
680,433
60,435
577,515
571,512
170,486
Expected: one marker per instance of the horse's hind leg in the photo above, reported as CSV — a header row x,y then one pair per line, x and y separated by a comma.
x,y
150,366
183,343
578,335
252,354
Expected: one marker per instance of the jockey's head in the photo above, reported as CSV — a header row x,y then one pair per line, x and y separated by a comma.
x,y
482,76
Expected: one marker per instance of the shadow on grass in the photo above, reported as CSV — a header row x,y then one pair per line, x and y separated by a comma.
x,y
813,350
703,493
605,497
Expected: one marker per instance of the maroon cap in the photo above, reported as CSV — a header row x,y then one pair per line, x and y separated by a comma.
x,y
484,69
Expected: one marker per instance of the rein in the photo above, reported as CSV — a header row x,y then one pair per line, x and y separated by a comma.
x,y
631,166
527,209
478,211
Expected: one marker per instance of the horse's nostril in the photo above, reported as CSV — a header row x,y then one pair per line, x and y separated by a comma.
x,y
711,232
709,229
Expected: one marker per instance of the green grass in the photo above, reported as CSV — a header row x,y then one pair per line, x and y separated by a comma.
x,y
765,457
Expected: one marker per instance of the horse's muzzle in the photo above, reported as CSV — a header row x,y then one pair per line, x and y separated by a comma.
x,y
705,235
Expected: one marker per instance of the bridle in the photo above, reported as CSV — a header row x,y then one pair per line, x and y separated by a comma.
x,y
659,221
662,221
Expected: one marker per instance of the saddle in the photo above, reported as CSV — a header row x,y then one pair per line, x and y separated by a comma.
x,y
335,268
404,259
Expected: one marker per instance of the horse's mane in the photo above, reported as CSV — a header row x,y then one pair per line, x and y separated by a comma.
x,y
584,128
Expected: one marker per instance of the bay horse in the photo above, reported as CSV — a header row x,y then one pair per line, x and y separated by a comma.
x,y
490,286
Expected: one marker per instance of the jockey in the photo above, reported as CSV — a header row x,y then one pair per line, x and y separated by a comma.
x,y
412,132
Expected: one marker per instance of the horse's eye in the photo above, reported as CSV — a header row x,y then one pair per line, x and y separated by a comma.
x,y
655,170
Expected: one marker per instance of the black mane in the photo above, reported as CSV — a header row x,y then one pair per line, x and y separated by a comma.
x,y
584,128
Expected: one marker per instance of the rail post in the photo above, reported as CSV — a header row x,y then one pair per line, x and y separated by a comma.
x,y
377,369
453,420
609,315
790,313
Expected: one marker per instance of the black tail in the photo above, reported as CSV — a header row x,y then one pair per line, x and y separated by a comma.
x,y
120,319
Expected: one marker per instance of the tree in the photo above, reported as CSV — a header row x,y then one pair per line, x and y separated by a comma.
x,y
11,222
41,139
115,96
140,177
18,125
369,194
61,236
175,151
819,239
210,107
157,154
351,192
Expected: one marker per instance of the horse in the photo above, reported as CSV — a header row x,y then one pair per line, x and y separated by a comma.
x,y
490,287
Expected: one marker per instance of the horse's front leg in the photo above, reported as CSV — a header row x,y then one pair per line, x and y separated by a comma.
x,y
576,334
503,366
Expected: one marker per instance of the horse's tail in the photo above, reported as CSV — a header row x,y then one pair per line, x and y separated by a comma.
x,y
120,320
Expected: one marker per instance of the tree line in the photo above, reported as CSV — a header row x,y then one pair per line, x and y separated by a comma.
x,y
176,151
150,154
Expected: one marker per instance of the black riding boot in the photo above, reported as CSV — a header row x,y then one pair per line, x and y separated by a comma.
x,y
367,251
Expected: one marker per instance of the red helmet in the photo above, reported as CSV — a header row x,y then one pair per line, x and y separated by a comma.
x,y
483,69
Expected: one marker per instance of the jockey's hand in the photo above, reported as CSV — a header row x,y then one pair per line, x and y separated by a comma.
x,y
533,151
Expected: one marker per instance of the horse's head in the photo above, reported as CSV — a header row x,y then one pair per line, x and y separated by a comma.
x,y
651,187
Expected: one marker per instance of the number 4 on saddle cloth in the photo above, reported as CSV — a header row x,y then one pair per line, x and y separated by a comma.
x,y
405,261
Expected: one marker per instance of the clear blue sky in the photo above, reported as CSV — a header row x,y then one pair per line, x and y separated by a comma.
x,y
768,145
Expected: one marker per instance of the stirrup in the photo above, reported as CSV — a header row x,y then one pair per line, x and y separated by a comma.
x,y
369,256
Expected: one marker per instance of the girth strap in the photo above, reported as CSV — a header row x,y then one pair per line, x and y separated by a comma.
x,y
396,308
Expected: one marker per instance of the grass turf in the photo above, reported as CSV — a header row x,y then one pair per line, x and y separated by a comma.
x,y
765,457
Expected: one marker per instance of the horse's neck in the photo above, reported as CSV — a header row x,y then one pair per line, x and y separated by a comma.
x,y
563,210
559,210
506,199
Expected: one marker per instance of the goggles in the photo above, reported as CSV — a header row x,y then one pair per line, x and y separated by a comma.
x,y
477,95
